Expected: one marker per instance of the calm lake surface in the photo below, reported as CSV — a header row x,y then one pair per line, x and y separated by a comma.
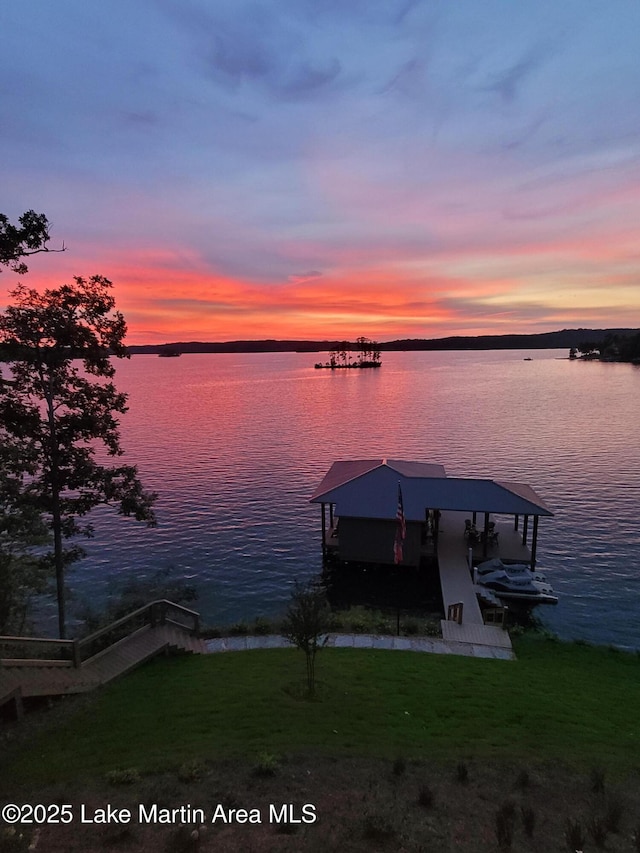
x,y
236,444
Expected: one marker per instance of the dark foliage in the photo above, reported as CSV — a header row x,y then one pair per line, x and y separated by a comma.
x,y
59,409
29,237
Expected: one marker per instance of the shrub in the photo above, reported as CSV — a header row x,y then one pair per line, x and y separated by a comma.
x,y
358,626
598,831
425,797
383,626
504,821
462,772
267,765
191,771
126,776
432,629
240,629
528,820
411,627
597,780
13,840
574,835
399,766
262,626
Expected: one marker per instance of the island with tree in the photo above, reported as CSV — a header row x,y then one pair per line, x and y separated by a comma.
x,y
367,354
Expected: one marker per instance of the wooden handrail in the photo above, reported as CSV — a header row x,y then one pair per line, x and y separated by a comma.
x,y
7,639
139,612
148,610
61,645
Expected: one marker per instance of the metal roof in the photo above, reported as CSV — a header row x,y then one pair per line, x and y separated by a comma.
x,y
369,489
343,472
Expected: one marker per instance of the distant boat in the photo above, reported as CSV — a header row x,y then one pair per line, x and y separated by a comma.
x,y
527,359
169,352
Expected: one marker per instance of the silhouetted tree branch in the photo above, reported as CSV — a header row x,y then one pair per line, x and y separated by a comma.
x,y
30,237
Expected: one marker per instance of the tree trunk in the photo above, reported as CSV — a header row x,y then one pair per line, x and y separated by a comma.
x,y
56,517
59,564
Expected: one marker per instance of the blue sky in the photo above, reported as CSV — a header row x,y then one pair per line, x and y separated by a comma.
x,y
317,169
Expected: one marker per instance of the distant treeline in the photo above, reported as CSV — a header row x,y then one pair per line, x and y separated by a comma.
x,y
564,339
613,347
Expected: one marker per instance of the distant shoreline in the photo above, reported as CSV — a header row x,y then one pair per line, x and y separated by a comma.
x,y
563,339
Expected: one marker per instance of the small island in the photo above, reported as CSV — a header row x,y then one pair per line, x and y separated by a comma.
x,y
340,356
169,351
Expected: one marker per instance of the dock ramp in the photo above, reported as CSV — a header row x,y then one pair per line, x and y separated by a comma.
x,y
465,623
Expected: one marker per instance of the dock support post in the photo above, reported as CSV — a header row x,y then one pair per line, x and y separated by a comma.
x,y
534,542
485,537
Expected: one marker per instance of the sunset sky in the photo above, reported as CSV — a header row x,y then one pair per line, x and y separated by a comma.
x,y
330,168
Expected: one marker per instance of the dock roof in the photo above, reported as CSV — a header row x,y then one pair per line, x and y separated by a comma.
x,y
369,489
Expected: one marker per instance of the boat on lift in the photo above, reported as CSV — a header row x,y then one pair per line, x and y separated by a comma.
x,y
515,582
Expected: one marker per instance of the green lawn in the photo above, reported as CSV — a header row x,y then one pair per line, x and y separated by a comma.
x,y
557,701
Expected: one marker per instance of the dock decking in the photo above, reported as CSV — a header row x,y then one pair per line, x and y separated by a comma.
x,y
458,588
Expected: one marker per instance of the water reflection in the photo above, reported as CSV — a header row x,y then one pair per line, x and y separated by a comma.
x,y
236,444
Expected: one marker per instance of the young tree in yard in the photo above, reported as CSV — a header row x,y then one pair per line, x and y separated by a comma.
x,y
306,625
59,411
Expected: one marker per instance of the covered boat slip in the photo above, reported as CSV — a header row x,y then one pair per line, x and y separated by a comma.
x,y
444,518
359,505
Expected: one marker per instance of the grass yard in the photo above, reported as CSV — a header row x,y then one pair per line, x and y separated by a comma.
x,y
574,703
379,752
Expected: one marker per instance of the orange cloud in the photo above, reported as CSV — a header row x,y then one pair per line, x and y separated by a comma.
x,y
395,290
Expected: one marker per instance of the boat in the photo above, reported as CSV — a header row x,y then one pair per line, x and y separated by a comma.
x,y
514,569
515,583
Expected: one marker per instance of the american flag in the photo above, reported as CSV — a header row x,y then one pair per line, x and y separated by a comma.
x,y
401,529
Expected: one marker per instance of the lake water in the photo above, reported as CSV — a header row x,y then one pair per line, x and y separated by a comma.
x,y
236,444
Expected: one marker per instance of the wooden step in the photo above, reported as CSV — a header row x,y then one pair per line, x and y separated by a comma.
x,y
132,651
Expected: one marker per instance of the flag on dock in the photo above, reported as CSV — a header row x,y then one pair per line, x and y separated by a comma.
x,y
401,529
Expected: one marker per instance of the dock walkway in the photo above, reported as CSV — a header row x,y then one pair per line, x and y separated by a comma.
x,y
458,589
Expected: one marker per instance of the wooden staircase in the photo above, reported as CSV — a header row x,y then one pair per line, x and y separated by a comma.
x,y
77,666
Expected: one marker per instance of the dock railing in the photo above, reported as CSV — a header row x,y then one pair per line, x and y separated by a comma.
x,y
42,651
